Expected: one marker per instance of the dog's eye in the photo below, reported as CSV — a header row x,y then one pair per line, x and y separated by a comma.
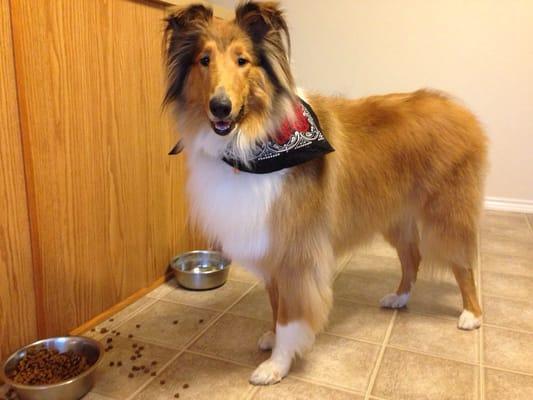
x,y
242,61
204,61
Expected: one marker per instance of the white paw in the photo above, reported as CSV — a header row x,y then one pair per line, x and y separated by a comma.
x,y
267,341
393,300
267,373
468,321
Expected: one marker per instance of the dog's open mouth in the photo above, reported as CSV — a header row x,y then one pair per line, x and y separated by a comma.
x,y
223,127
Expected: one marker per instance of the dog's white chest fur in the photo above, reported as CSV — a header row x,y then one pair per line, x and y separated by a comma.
x,y
233,207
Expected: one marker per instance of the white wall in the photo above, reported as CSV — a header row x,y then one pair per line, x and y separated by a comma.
x,y
481,51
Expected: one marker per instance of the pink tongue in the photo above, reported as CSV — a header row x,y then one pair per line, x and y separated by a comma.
x,y
222,125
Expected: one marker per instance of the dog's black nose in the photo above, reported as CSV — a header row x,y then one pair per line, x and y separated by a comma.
x,y
220,106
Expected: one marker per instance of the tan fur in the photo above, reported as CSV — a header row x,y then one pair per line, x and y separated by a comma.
x,y
409,166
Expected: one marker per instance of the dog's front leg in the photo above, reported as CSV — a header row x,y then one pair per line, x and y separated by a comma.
x,y
268,339
293,338
301,299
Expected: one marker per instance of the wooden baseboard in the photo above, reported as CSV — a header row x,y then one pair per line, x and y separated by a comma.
x,y
119,306
506,204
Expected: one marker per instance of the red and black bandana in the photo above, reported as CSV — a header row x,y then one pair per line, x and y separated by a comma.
x,y
297,142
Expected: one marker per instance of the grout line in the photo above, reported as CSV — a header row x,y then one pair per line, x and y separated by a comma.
x,y
481,344
497,296
327,385
191,341
528,222
511,371
377,365
252,393
505,328
431,354
218,358
170,301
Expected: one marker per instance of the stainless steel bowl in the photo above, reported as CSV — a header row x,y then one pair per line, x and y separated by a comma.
x,y
201,269
72,389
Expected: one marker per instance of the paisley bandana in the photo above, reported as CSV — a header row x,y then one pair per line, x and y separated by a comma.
x,y
296,143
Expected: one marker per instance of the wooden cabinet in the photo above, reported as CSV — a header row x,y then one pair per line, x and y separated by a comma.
x,y
17,299
85,168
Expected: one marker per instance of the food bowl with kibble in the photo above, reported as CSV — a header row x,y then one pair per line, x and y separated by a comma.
x,y
59,368
201,269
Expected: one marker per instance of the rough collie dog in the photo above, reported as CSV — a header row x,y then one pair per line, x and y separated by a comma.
x,y
408,166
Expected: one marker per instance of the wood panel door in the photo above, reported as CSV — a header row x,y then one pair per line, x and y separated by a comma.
x,y
17,301
108,203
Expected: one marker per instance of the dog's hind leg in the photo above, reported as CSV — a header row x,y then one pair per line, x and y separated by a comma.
x,y
404,237
304,298
471,316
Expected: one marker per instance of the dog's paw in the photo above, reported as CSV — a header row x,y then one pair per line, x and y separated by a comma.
x,y
267,341
393,300
268,373
468,321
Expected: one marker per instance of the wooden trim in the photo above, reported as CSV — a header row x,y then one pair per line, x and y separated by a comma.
x,y
120,306
29,176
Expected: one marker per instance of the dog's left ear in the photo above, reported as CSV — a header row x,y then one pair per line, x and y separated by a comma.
x,y
260,19
266,26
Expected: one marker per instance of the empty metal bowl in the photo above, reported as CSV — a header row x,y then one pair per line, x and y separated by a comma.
x,y
74,388
201,269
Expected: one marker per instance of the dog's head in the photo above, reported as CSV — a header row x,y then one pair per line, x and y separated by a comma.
x,y
231,76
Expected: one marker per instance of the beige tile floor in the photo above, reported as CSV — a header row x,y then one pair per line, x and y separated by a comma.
x,y
202,345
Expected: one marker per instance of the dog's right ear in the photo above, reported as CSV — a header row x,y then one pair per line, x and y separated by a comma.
x,y
183,29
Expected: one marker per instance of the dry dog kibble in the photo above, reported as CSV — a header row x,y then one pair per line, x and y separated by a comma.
x,y
104,330
185,386
138,326
177,395
133,358
175,322
130,336
153,373
130,375
201,321
42,366
117,334
111,363
154,362
119,364
162,381
109,340
111,319
134,345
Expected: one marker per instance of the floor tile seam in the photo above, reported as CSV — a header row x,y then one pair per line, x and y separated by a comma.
x,y
528,222
511,371
480,338
498,296
379,359
433,355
